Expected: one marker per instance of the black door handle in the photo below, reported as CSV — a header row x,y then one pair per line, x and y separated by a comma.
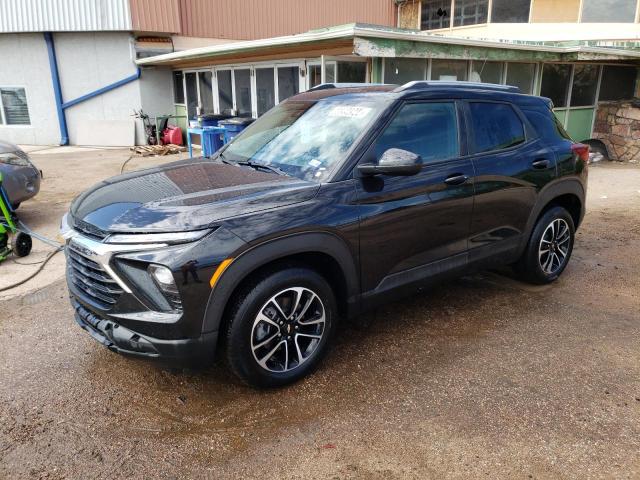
x,y
456,179
541,163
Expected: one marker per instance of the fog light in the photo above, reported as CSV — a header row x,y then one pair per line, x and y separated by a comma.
x,y
163,278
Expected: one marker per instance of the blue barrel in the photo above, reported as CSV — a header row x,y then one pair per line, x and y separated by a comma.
x,y
211,119
233,126
212,140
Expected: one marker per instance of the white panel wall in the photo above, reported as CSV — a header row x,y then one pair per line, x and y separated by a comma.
x,y
24,62
87,62
64,15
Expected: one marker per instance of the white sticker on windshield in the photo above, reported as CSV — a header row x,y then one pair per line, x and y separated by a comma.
x,y
315,163
347,111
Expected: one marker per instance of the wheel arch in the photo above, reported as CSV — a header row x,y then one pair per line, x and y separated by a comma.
x,y
325,252
569,194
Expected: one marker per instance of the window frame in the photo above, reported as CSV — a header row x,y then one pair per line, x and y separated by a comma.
x,y
451,26
197,71
391,115
252,67
470,131
184,91
3,119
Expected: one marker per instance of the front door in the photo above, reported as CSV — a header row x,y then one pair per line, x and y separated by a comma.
x,y
413,227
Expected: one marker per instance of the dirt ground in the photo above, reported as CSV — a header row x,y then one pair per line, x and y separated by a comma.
x,y
481,377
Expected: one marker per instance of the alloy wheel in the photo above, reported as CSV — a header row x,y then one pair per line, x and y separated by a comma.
x,y
288,329
554,246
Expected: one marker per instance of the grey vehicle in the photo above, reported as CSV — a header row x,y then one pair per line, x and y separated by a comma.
x,y
21,178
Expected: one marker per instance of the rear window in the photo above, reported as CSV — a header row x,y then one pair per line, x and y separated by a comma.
x,y
496,126
547,125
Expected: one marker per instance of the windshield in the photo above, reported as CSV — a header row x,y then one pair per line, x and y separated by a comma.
x,y
305,139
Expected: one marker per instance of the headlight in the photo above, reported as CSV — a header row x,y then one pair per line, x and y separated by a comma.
x,y
19,159
168,238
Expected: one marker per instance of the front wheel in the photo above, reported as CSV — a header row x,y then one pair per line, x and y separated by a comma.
x,y
279,327
549,247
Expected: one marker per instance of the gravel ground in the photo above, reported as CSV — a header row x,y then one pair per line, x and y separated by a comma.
x,y
481,377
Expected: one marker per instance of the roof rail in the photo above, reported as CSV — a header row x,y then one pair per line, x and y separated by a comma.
x,y
424,85
325,86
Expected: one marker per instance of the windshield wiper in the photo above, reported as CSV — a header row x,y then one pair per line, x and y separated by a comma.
x,y
257,166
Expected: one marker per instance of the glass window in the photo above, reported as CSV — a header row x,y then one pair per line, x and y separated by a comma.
x,y
206,92
487,72
306,139
14,105
521,75
315,75
330,72
265,89
352,72
178,88
510,11
435,14
403,70
288,82
427,129
495,126
242,82
449,70
611,11
470,12
225,93
547,125
618,83
555,83
585,81
191,80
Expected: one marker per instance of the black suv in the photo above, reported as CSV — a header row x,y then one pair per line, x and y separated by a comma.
x,y
336,200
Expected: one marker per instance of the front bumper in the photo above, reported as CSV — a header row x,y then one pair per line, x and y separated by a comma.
x,y
188,352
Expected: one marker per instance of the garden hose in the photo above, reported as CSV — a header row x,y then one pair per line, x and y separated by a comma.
x,y
58,247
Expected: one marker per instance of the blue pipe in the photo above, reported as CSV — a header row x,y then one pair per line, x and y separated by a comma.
x,y
100,91
62,106
55,78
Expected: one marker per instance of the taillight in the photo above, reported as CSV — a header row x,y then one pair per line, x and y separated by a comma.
x,y
582,151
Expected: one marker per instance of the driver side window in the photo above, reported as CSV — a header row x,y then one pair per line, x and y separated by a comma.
x,y
427,129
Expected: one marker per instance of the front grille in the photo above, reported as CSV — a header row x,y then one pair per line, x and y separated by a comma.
x,y
89,230
92,280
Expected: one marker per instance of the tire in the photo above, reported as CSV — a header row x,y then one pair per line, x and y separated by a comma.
x,y
261,336
21,244
537,266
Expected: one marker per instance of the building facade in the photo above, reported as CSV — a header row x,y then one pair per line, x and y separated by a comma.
x,y
244,56
68,71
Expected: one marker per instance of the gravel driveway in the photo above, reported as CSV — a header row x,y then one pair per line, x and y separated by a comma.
x,y
481,377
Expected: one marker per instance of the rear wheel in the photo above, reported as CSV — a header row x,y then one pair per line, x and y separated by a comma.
x,y
549,247
279,327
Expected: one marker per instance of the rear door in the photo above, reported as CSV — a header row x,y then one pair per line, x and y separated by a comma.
x,y
412,227
512,164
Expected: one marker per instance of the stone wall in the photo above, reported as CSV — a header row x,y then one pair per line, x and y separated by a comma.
x,y
617,125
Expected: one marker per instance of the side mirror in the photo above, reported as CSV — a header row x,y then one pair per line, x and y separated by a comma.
x,y
394,161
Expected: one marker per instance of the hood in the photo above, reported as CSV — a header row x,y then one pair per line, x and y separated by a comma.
x,y
185,195
6,147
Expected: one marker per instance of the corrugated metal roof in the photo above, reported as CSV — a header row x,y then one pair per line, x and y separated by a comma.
x,y
253,19
156,15
64,15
